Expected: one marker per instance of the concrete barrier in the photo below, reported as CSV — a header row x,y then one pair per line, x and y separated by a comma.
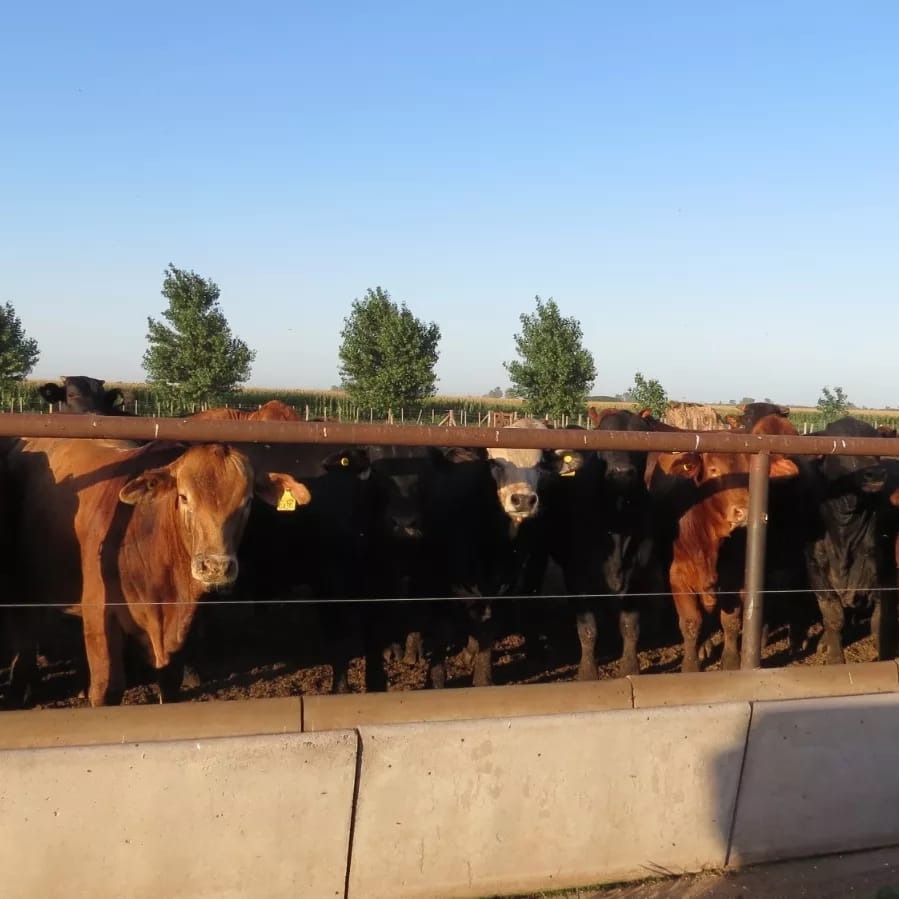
x,y
820,777
145,723
474,808
249,816
354,710
457,808
805,681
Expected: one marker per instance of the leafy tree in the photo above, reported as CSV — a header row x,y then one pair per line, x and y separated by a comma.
x,y
387,355
194,355
747,400
555,372
495,394
18,352
649,395
833,403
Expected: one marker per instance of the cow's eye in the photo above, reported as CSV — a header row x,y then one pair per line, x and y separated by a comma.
x,y
182,499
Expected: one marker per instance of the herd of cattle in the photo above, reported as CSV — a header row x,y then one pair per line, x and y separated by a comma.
x,y
131,536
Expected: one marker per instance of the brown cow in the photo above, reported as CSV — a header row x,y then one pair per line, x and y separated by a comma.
x,y
273,410
717,507
137,535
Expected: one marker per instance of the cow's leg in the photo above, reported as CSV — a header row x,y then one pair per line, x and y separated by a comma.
x,y
340,626
883,625
104,644
22,629
437,635
375,640
689,619
470,650
585,618
170,678
731,624
832,617
482,672
414,650
629,625
685,584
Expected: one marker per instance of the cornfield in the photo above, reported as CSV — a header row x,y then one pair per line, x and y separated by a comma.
x,y
142,399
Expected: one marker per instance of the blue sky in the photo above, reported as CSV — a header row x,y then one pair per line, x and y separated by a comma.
x,y
711,189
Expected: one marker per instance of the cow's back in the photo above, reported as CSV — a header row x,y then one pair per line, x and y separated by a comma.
x,y
65,498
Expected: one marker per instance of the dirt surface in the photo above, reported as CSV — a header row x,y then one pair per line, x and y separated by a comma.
x,y
239,652
866,875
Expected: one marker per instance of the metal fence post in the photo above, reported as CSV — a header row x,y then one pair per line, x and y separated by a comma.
x,y
756,526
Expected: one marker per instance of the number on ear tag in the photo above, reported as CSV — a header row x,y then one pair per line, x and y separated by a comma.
x,y
287,503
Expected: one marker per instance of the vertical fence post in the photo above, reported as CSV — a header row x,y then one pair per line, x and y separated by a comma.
x,y
756,527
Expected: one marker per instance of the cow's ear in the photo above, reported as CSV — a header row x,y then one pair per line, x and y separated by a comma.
x,y
683,465
281,491
150,485
733,422
52,393
782,467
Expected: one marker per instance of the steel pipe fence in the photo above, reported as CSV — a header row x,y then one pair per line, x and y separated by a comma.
x,y
346,434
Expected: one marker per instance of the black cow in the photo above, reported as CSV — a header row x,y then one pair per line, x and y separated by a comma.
x,y
848,555
317,551
80,395
401,483
483,540
597,525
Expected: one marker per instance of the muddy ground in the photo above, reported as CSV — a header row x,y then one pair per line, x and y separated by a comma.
x,y
239,652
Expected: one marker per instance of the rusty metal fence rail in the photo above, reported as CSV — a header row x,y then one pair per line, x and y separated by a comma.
x,y
345,434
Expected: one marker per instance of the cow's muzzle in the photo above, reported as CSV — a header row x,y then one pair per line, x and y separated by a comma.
x,y
214,569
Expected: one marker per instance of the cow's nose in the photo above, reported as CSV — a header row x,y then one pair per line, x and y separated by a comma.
x,y
523,502
406,526
623,473
215,569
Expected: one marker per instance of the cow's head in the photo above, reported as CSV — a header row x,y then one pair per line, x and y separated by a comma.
x,y
207,492
723,478
400,478
848,475
81,395
517,474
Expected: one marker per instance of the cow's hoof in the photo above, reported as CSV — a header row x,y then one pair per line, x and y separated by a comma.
x,y
587,671
628,665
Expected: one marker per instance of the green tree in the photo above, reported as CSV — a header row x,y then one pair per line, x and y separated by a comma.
x,y
18,352
649,395
495,394
194,356
555,372
387,355
833,403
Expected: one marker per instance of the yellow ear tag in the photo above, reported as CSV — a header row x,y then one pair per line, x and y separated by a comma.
x,y
345,462
287,503
566,459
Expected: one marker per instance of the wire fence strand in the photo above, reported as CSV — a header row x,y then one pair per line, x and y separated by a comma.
x,y
213,600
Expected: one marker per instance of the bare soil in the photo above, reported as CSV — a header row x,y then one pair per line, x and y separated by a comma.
x,y
275,651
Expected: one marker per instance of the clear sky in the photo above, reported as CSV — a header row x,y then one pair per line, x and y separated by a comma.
x,y
711,188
